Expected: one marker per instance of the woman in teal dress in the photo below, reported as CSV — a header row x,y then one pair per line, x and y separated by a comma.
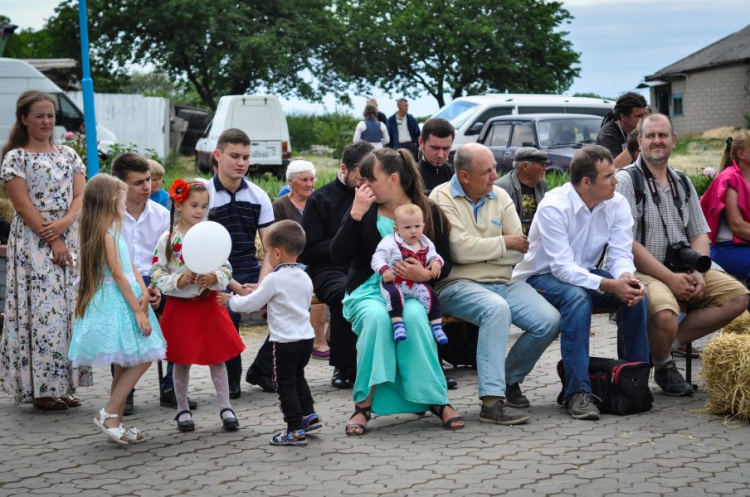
x,y
403,377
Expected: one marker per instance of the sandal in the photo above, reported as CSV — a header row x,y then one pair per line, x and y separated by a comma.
x,y
133,434
311,422
116,434
351,427
71,400
49,404
449,424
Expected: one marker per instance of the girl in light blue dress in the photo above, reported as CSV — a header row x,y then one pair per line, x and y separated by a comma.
x,y
115,324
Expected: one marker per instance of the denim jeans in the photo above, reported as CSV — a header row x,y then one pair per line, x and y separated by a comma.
x,y
492,307
576,305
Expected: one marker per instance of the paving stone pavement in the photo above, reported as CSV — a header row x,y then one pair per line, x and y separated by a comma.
x,y
670,449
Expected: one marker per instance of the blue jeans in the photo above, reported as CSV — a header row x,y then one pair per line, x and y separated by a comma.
x,y
576,305
492,307
734,259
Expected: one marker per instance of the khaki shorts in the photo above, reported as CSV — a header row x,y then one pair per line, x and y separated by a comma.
x,y
720,289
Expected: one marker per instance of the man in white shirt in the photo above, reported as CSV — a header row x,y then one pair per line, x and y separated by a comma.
x,y
143,223
573,226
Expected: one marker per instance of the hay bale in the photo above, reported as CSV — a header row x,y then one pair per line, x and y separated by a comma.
x,y
726,371
6,209
740,326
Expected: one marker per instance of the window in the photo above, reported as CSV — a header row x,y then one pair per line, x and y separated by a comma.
x,y
489,114
677,109
499,135
541,109
523,136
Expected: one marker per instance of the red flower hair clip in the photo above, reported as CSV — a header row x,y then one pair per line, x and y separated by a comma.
x,y
180,191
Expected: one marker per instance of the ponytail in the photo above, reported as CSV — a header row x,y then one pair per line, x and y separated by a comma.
x,y
740,141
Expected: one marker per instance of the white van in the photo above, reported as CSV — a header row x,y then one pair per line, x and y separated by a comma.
x,y
263,119
469,114
17,76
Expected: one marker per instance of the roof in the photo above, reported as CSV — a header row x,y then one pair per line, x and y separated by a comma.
x,y
48,64
732,49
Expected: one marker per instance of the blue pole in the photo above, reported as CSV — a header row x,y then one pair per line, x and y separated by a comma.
x,y
87,87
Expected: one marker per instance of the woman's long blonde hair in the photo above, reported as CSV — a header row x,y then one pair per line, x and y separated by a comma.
x,y
98,214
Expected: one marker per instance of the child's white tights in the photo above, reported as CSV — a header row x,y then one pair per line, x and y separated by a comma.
x,y
181,377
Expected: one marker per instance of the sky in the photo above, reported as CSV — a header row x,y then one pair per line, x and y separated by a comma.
x,y
620,42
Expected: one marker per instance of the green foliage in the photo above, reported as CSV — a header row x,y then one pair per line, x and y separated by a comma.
x,y
555,179
60,38
226,48
159,84
701,182
334,129
301,131
452,47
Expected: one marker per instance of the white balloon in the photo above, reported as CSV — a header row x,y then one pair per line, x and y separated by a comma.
x,y
206,247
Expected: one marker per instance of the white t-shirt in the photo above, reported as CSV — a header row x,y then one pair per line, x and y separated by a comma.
x,y
142,235
288,292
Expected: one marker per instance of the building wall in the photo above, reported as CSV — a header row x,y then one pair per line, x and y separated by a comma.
x,y
712,98
134,119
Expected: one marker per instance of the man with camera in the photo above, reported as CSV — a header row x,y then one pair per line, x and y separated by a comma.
x,y
671,250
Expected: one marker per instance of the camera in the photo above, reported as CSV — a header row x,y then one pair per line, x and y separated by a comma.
x,y
681,258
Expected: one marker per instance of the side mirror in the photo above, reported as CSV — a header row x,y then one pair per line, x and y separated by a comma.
x,y
475,128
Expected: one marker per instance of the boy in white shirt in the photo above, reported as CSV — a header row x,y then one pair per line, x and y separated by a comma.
x,y
287,290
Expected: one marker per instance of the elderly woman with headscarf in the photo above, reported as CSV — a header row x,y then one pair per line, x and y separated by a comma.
x,y
300,176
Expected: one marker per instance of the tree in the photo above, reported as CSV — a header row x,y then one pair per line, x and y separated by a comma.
x,y
220,47
453,47
61,38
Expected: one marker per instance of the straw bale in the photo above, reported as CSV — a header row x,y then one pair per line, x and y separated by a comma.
x,y
6,209
741,325
726,371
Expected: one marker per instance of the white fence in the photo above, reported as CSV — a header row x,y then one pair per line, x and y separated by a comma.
x,y
136,119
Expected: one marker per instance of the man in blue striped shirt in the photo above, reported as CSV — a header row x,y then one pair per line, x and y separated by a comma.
x,y
244,209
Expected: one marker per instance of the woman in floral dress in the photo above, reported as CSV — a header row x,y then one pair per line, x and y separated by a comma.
x,y
45,184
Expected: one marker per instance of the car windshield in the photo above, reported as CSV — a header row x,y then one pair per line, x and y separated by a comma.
x,y
458,112
568,132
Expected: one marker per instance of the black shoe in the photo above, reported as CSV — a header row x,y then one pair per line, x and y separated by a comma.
x,y
185,425
515,398
339,379
235,391
671,381
452,384
129,406
169,399
254,378
229,424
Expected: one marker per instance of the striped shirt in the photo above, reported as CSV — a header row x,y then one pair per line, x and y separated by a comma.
x,y
241,213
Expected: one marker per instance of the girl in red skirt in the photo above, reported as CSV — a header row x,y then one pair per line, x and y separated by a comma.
x,y
198,330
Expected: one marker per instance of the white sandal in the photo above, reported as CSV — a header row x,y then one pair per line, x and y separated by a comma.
x,y
132,434
115,434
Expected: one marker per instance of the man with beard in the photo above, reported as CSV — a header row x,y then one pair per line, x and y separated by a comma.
x,y
667,213
525,183
324,211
